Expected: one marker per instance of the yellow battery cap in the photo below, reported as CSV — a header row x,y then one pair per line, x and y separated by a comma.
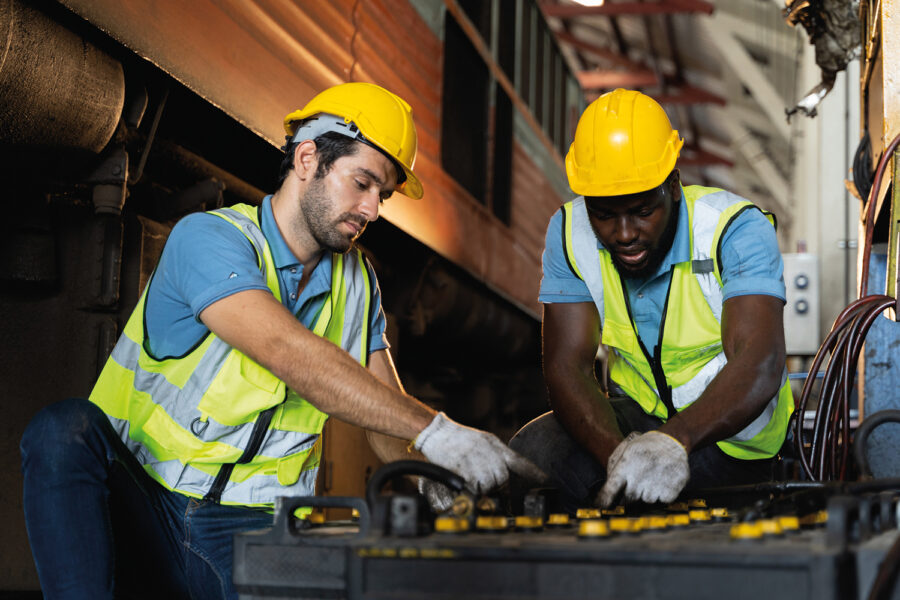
x,y
625,524
619,525
491,523
614,511
593,528
656,523
697,503
448,524
558,520
814,519
316,518
746,531
770,527
587,513
719,514
525,522
699,515
679,520
789,523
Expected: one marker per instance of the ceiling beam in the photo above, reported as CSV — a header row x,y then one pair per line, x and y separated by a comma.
x,y
744,142
748,72
608,80
775,40
693,156
664,7
604,53
688,94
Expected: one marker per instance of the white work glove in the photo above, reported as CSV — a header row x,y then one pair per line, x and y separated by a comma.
x,y
477,456
439,496
652,467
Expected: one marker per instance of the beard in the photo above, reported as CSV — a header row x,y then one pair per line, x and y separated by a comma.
x,y
324,227
656,255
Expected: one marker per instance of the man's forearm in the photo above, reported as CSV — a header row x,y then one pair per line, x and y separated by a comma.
x,y
336,384
736,396
753,342
324,374
585,412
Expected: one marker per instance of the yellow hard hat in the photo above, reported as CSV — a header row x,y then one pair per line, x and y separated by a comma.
x,y
624,144
383,118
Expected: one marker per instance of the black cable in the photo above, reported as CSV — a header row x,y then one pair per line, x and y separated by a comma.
x,y
411,467
827,456
860,440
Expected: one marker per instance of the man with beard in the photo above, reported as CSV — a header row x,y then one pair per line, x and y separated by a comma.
x,y
683,286
256,326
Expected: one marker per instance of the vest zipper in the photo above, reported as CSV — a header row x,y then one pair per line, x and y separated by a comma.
x,y
663,389
260,427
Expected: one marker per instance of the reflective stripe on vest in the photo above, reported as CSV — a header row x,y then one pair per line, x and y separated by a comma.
x,y
183,418
689,353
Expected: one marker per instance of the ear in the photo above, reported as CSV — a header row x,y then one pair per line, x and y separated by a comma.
x,y
306,160
676,185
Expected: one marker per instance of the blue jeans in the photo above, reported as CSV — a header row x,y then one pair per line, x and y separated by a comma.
x,y
578,475
100,527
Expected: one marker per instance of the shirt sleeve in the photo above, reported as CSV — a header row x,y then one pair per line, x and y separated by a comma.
x,y
377,337
559,283
751,261
204,260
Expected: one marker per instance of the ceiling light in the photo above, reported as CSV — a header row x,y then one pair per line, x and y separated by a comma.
x,y
589,2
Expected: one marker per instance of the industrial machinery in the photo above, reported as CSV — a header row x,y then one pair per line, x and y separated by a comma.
x,y
793,540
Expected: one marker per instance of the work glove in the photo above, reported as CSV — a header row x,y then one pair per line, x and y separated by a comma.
x,y
477,456
439,496
651,466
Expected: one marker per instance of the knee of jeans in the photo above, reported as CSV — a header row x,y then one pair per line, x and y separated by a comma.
x,y
54,429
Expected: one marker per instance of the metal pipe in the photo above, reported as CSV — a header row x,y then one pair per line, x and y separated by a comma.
x,y
57,90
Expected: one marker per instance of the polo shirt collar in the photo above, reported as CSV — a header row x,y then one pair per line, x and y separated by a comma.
x,y
681,246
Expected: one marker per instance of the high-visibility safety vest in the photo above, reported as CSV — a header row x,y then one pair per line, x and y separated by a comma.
x,y
215,424
688,353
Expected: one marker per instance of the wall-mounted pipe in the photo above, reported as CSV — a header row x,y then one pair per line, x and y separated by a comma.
x,y
57,90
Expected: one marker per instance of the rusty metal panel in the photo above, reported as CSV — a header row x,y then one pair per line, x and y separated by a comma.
x,y
890,56
259,59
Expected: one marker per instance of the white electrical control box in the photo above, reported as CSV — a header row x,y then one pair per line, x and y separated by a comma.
x,y
801,311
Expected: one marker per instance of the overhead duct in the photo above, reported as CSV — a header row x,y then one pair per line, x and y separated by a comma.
x,y
56,88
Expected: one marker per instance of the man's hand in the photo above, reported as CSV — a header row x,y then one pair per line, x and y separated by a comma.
x,y
652,467
477,456
439,496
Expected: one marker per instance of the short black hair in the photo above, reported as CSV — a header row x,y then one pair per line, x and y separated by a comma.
x,y
329,147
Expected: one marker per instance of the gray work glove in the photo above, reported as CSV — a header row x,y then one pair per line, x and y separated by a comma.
x,y
651,466
477,456
439,496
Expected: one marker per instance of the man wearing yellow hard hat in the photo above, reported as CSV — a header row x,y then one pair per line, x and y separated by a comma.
x,y
257,325
683,286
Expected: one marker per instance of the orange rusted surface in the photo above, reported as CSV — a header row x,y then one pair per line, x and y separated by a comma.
x,y
257,60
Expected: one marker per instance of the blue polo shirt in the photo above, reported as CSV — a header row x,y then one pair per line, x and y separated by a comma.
x,y
751,264
206,259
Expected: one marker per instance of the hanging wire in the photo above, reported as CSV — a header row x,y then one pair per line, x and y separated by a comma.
x,y
826,456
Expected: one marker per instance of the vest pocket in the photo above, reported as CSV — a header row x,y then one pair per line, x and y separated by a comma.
x,y
619,336
240,390
288,468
